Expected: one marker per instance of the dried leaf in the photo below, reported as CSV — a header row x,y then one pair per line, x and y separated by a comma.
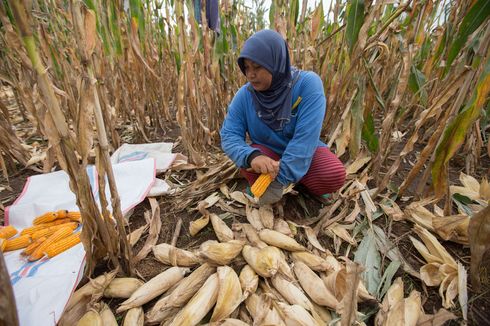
x,y
155,226
312,238
348,305
357,164
240,197
462,290
438,319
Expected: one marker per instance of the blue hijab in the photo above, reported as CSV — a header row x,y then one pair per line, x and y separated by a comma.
x,y
268,49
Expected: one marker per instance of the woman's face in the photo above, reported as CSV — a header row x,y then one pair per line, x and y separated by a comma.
x,y
259,77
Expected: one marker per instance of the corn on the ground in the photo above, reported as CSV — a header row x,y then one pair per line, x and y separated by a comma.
x,y
46,232
18,243
58,235
63,245
30,248
260,185
7,232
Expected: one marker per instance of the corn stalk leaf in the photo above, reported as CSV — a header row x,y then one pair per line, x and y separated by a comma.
x,y
369,134
478,13
367,254
357,120
479,242
355,19
455,132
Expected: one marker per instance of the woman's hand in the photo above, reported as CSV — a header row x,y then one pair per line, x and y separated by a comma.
x,y
264,164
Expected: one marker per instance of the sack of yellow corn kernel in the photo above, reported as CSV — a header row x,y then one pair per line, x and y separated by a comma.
x,y
44,280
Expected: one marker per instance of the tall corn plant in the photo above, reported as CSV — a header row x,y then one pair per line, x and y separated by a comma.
x,y
99,234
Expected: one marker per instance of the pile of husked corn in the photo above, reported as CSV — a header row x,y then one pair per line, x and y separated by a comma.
x,y
51,234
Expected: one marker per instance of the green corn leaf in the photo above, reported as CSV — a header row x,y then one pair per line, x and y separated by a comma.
x,y
355,19
369,134
416,83
387,278
293,12
357,119
367,254
478,13
455,132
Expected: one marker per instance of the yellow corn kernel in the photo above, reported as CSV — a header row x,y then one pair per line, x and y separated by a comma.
x,y
46,232
45,218
7,232
74,216
62,245
30,248
18,243
58,235
3,244
62,213
30,230
260,185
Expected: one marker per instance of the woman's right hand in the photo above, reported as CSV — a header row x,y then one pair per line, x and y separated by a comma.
x,y
264,164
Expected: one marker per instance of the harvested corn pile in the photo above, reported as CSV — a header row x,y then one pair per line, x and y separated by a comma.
x,y
51,234
266,270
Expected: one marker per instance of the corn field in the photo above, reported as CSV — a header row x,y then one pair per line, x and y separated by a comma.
x,y
407,85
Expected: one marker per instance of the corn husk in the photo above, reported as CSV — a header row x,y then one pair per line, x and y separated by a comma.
x,y
295,315
91,318
199,224
180,295
200,304
252,236
280,240
249,281
323,313
261,311
264,262
229,295
282,226
108,318
134,317
94,287
223,232
154,287
228,322
314,262
413,308
174,256
122,287
220,253
291,292
241,197
314,287
266,216
253,217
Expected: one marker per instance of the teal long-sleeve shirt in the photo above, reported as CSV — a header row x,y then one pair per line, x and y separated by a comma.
x,y
295,143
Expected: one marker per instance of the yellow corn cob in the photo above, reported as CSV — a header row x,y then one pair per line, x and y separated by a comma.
x,y
45,218
30,230
74,216
62,213
18,243
260,185
3,244
58,235
7,232
46,232
62,245
30,248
